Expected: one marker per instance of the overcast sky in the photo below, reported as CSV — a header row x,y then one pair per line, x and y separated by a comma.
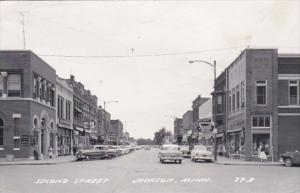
x,y
151,87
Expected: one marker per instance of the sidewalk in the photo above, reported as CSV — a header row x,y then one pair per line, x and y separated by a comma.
x,y
53,161
227,161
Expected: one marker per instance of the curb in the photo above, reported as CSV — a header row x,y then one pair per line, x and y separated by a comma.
x,y
249,164
33,163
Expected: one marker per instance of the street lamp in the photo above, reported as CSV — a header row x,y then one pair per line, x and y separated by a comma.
x,y
104,115
214,65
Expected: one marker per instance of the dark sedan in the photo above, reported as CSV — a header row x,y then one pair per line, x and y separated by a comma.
x,y
91,153
290,158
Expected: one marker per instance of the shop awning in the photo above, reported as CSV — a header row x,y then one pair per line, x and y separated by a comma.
x,y
79,129
220,134
234,130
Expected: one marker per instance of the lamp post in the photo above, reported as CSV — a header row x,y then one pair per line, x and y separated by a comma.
x,y
214,65
104,116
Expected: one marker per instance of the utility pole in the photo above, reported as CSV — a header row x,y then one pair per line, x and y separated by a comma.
x,y
22,21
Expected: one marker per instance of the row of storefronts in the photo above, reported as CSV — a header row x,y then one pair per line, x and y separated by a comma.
x,y
42,115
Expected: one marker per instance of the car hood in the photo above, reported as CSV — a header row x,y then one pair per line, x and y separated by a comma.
x,y
201,152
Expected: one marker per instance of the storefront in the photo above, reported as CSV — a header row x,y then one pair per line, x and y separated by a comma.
x,y
64,139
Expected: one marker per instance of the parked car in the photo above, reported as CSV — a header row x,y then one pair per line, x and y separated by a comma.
x,y
110,152
186,152
118,150
147,147
91,153
170,152
290,158
201,152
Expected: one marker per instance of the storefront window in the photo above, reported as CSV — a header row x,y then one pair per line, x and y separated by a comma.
x,y
262,140
234,140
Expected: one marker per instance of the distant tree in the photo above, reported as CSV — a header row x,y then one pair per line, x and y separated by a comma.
x,y
142,141
160,135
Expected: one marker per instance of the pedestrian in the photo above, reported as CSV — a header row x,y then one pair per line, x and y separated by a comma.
x,y
74,150
261,152
35,152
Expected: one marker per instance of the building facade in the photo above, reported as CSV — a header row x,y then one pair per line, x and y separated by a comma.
x,y
64,117
262,104
27,106
197,102
103,124
187,125
85,115
115,133
178,130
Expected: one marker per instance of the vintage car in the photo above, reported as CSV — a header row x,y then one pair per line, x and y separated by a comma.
x,y
91,153
290,158
170,153
186,152
201,152
110,152
147,147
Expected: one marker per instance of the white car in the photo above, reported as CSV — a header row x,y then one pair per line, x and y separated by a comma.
x,y
186,152
200,152
171,153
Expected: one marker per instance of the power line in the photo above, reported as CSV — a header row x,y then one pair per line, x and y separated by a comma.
x,y
140,56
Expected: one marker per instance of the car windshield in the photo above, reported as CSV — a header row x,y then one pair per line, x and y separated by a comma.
x,y
203,148
170,148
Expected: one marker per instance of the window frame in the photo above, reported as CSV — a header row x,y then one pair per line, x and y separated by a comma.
x,y
1,132
14,91
264,122
289,89
265,84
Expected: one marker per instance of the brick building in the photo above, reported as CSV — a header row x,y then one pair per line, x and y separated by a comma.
x,y
27,106
85,114
103,124
64,116
178,130
197,102
262,104
115,133
187,126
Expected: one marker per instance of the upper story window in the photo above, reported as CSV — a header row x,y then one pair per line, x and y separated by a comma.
x,y
229,102
1,132
219,103
261,121
60,106
294,92
238,97
1,85
68,110
242,94
14,85
233,100
261,92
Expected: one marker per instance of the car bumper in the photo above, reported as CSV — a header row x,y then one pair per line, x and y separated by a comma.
x,y
203,157
171,158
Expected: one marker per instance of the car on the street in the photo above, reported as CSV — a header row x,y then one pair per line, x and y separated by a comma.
x,y
147,147
201,152
170,152
91,153
290,158
109,151
186,152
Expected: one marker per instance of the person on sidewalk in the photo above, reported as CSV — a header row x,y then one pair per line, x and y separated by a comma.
x,y
261,152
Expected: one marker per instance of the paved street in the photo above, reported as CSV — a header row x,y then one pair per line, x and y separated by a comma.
x,y
141,171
